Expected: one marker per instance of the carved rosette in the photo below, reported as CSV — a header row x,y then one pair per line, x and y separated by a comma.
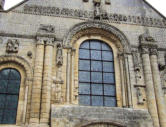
x,y
12,46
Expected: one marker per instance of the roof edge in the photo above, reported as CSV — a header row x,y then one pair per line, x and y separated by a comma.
x,y
14,6
154,9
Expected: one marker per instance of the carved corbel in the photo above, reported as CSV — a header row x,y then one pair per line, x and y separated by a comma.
x,y
12,46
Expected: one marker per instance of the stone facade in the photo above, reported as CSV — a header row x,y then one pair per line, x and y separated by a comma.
x,y
41,39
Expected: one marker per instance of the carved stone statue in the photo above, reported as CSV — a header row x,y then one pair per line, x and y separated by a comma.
x,y
140,98
97,10
59,55
12,46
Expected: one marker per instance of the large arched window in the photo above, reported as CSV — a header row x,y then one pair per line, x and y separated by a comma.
x,y
9,93
96,74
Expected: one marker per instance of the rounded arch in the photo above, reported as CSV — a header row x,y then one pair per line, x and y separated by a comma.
x,y
5,59
102,29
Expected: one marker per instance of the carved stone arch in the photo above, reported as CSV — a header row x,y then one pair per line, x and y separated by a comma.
x,y
97,28
19,61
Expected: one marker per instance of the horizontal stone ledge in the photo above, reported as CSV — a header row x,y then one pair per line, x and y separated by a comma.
x,y
79,115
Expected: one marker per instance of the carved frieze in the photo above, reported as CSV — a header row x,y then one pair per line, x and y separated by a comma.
x,y
82,14
12,46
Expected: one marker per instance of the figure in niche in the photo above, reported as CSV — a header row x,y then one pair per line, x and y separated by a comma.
x,y
140,98
97,10
59,55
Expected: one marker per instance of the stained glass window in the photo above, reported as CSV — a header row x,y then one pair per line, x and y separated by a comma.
x,y
96,74
9,93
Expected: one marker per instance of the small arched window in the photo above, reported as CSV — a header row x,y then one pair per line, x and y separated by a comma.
x,y
9,94
96,74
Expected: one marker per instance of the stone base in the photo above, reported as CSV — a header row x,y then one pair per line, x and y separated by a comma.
x,y
80,116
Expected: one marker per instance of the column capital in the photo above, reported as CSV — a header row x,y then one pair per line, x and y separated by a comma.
x,y
45,40
144,50
153,51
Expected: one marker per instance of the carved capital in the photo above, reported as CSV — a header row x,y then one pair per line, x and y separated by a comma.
x,y
144,50
45,40
12,46
153,51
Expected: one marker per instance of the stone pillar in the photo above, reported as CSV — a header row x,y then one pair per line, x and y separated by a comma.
x,y
37,82
157,87
47,82
151,100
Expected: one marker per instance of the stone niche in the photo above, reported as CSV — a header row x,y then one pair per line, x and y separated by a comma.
x,y
86,116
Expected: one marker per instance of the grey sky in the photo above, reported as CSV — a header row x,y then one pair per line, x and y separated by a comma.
x,y
160,5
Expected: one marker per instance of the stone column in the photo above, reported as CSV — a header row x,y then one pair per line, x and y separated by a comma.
x,y
124,98
68,76
157,87
37,82
47,81
151,100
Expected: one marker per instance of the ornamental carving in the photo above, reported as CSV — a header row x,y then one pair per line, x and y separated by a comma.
x,y
153,51
12,46
59,54
144,50
94,28
146,37
46,28
84,15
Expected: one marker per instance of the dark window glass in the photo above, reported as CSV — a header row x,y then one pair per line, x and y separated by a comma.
x,y
9,93
96,74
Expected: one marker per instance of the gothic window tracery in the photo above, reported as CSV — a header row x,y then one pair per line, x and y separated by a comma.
x,y
96,74
9,94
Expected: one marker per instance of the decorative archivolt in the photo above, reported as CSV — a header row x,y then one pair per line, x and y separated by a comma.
x,y
4,59
97,28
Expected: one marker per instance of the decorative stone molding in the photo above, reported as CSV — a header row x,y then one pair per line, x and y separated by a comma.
x,y
12,46
20,61
84,15
95,28
59,54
